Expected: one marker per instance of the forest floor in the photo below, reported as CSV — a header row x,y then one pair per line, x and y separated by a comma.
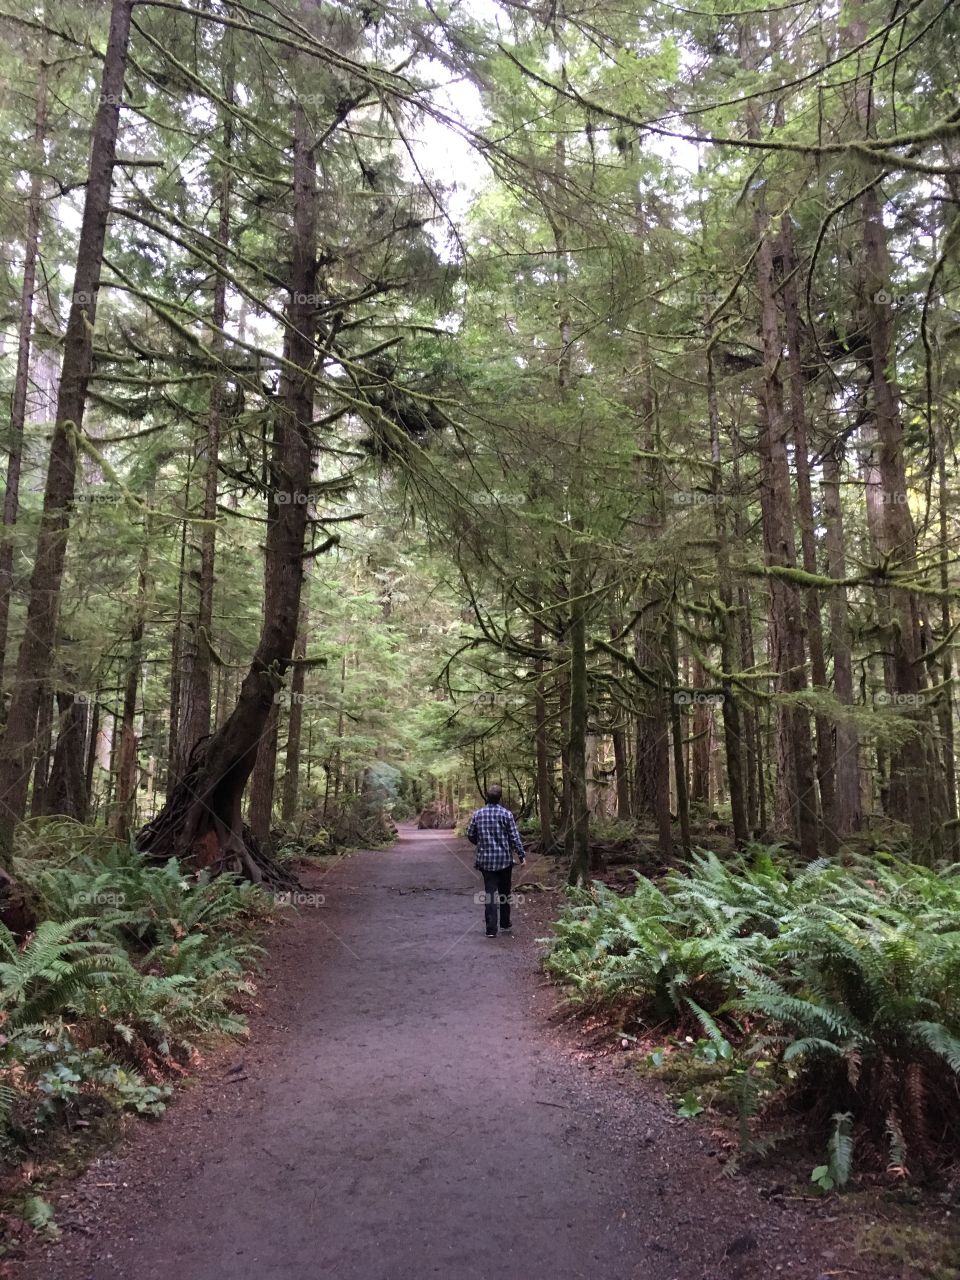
x,y
408,1106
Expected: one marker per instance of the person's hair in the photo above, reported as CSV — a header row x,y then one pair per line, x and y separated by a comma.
x,y
494,793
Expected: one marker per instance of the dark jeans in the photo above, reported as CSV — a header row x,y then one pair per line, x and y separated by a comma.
x,y
496,889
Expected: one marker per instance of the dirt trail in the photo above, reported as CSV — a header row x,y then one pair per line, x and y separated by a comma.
x,y
404,1110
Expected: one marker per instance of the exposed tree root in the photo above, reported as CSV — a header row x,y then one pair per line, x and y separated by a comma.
x,y
201,826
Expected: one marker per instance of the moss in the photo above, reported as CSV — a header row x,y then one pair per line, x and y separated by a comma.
x,y
924,1247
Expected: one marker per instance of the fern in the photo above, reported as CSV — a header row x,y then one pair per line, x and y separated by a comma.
x,y
939,1041
55,971
141,962
850,975
840,1149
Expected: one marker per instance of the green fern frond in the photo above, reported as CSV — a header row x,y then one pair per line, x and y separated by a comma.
x,y
840,1149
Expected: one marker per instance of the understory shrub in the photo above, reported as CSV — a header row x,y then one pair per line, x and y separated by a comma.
x,y
132,967
847,978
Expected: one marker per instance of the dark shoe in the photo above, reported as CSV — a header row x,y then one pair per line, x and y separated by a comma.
x,y
491,935
506,928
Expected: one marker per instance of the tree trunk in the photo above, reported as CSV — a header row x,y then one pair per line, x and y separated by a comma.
x,y
66,790
128,771
652,725
913,765
733,742
93,731
291,777
541,742
786,614
177,653
826,768
796,789
676,726
576,811
41,768
578,830
915,771
563,825
202,818
621,764
195,695
848,803
338,752
264,778
42,610
946,668
18,404
700,747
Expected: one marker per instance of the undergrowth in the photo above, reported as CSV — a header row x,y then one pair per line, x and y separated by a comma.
x,y
832,991
131,970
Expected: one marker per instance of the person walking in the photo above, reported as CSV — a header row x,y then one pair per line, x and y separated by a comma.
x,y
493,829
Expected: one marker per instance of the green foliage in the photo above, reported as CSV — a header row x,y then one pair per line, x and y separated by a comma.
x,y
38,1213
101,1005
836,1172
55,972
671,951
690,1105
72,872
848,976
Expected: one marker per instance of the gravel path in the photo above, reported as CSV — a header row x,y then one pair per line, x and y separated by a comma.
x,y
405,1109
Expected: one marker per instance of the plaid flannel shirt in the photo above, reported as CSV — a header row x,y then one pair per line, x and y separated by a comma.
x,y
493,830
